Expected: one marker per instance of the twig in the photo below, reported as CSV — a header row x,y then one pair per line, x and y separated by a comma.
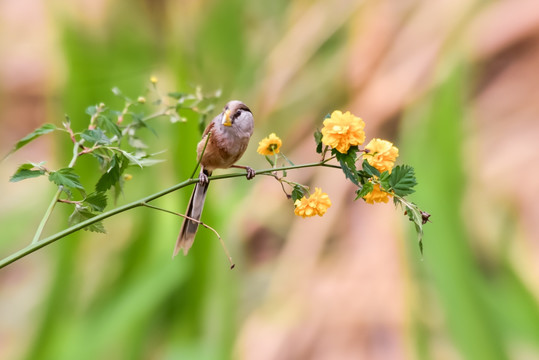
x,y
232,265
201,154
38,244
56,196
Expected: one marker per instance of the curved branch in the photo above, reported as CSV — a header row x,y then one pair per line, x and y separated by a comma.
x,y
53,238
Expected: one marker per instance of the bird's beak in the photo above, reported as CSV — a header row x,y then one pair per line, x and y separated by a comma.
x,y
226,118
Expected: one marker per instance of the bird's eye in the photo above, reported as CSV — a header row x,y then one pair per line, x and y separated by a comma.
x,y
238,113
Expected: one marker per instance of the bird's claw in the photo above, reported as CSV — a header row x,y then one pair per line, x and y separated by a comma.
x,y
203,179
250,173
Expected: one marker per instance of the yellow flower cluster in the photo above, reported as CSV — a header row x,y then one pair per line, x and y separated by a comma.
x,y
269,145
381,154
342,131
377,195
317,204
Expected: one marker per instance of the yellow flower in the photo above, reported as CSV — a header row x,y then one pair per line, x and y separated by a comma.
x,y
342,131
377,195
317,204
269,145
382,154
153,80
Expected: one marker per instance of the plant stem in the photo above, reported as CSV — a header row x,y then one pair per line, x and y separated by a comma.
x,y
201,155
55,198
232,265
36,245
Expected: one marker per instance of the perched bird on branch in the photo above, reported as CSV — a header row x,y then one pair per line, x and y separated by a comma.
x,y
223,143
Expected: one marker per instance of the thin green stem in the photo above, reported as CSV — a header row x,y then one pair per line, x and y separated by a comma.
x,y
46,217
34,246
55,198
202,154
155,115
232,265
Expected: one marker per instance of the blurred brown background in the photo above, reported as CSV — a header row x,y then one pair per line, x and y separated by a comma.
x,y
454,84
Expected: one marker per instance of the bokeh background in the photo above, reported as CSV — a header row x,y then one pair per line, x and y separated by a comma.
x,y
454,83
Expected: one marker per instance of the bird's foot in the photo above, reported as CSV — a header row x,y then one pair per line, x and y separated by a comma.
x,y
203,179
250,173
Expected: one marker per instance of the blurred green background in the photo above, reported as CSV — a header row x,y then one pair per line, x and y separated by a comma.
x,y
451,83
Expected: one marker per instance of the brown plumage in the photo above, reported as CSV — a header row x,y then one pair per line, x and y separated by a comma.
x,y
229,134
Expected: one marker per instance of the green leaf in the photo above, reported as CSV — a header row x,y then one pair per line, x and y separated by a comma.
x,y
67,122
287,159
97,201
136,143
138,122
384,181
80,214
318,140
298,192
133,159
402,180
116,167
269,160
348,163
44,129
96,136
369,169
150,162
365,189
415,215
91,110
106,124
66,177
24,172
176,95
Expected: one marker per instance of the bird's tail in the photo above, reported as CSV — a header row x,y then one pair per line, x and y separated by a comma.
x,y
194,211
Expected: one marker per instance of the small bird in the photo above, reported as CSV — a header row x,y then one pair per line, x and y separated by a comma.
x,y
229,134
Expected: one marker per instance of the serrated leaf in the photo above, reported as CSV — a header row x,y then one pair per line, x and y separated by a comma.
x,y
44,129
80,214
96,136
402,180
107,125
66,177
318,140
118,189
384,181
97,201
348,163
25,172
369,169
365,189
116,167
297,193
